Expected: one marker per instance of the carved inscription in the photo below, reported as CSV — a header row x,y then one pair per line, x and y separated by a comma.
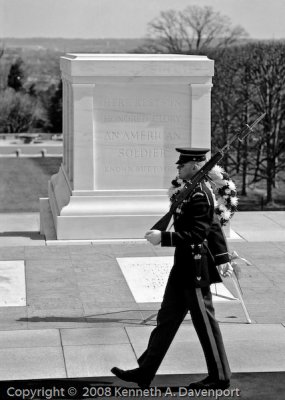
x,y
137,129
139,152
143,169
148,135
140,102
153,118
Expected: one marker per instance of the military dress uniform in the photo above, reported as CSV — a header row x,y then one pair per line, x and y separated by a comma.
x,y
194,224
199,247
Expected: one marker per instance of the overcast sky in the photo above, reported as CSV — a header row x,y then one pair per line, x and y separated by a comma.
x,y
263,19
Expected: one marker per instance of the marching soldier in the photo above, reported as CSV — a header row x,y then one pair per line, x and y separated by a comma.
x,y
200,247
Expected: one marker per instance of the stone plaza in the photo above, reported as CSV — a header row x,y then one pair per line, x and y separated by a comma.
x,y
69,307
78,314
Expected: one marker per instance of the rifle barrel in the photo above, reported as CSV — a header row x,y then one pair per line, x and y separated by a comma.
x,y
197,178
244,133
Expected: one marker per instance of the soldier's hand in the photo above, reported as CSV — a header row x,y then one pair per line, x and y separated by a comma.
x,y
225,269
153,236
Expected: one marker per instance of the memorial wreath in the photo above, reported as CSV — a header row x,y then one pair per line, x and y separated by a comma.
x,y
223,189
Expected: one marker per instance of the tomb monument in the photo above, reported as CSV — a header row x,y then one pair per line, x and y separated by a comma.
x,y
123,117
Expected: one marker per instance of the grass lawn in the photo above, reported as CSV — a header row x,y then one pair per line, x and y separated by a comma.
x,y
253,200
23,181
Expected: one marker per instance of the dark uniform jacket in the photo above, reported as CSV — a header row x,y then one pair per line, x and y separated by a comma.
x,y
195,222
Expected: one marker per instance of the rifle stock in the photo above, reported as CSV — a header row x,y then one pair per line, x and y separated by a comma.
x,y
189,187
163,223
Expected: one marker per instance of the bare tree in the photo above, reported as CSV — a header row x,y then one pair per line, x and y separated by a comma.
x,y
268,74
193,29
248,81
168,32
205,27
226,105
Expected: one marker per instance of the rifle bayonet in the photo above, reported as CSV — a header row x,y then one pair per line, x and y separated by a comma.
x,y
198,177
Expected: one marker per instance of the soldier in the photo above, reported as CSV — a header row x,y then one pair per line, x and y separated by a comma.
x,y
200,247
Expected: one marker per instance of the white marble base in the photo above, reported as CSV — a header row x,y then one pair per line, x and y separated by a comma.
x,y
233,236
102,214
47,229
230,234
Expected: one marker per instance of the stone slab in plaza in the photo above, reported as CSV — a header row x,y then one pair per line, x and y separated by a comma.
x,y
123,117
147,278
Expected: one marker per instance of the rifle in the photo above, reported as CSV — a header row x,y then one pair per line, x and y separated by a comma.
x,y
189,187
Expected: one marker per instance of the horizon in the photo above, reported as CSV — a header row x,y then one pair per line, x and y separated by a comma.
x,y
127,19
115,38
69,38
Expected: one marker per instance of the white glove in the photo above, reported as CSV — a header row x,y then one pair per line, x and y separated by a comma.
x,y
153,236
225,269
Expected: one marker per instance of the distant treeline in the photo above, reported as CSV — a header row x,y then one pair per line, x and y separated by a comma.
x,y
74,45
249,80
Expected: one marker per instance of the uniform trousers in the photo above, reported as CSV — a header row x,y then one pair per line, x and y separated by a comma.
x,y
177,301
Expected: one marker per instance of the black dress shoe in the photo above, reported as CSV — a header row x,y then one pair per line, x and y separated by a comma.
x,y
209,383
132,375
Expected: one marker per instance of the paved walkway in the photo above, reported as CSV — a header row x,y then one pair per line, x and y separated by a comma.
x,y
81,317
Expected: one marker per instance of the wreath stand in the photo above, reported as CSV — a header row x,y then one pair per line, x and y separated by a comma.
x,y
239,296
236,285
